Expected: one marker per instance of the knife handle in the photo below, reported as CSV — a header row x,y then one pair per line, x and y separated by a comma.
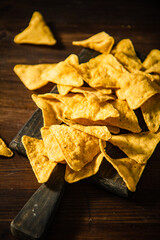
x,y
35,217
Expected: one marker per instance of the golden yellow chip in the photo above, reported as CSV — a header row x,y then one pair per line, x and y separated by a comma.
x,y
113,129
104,90
101,42
52,148
52,109
125,53
30,75
63,89
79,148
41,165
91,109
102,71
152,58
4,150
65,73
154,69
101,132
85,122
127,118
101,96
137,146
88,170
48,101
136,88
37,32
127,168
151,112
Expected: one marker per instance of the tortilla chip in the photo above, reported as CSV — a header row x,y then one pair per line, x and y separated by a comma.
x,y
53,149
30,75
104,90
137,146
86,122
65,73
4,150
101,42
37,32
90,108
41,165
68,101
52,110
113,129
152,58
154,69
151,112
63,89
136,88
127,118
100,95
127,168
102,71
78,147
126,55
101,132
88,170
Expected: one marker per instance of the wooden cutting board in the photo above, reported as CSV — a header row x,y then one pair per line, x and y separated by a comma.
x,y
107,177
34,218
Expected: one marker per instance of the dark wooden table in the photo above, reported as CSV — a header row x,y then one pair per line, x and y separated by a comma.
x,y
86,211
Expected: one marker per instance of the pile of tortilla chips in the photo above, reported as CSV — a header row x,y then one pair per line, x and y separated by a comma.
x,y
95,105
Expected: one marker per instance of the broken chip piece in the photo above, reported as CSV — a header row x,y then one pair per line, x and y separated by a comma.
x,y
4,150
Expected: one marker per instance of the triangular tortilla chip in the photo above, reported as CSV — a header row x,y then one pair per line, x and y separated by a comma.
x,y
101,132
88,170
79,148
90,108
102,71
65,73
101,96
55,105
64,89
4,150
37,32
127,118
125,53
41,165
151,112
136,88
127,168
152,58
52,110
137,146
154,69
53,149
101,42
85,122
30,75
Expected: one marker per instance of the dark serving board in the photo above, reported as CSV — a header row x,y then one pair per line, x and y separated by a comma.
x,y
31,222
108,178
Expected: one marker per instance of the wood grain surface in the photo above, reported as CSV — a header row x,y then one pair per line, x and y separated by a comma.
x,y
86,211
